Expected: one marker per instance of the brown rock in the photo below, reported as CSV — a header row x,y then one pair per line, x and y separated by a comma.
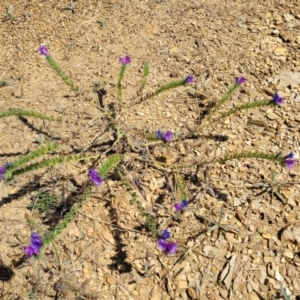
x,y
280,51
192,293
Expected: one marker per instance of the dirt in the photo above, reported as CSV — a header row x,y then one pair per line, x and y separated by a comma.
x,y
229,239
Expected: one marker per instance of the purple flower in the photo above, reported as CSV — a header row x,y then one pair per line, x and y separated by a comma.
x,y
189,79
94,176
240,80
168,136
167,246
125,60
159,135
35,246
2,172
184,203
180,207
278,100
137,181
290,160
165,234
44,50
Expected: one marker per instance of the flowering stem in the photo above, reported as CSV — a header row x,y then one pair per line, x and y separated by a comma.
x,y
222,100
260,155
119,84
149,219
146,72
51,235
239,108
47,163
61,73
21,112
161,89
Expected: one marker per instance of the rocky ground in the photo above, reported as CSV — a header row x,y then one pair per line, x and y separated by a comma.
x,y
106,252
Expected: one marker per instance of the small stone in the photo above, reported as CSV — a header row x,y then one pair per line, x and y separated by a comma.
x,y
237,202
280,51
182,284
254,296
272,116
289,254
266,236
268,259
110,280
297,98
286,36
192,293
291,202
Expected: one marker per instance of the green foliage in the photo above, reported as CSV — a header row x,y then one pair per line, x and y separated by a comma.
x,y
61,73
169,86
111,162
149,219
10,172
25,113
222,100
119,83
253,154
50,236
246,106
145,73
45,202
181,186
48,163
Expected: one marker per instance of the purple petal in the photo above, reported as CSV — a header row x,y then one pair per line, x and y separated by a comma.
x,y
290,156
178,207
171,248
290,160
29,251
165,234
278,100
2,172
162,244
290,163
44,50
125,60
240,80
36,245
168,136
36,241
184,203
94,177
159,134
189,79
